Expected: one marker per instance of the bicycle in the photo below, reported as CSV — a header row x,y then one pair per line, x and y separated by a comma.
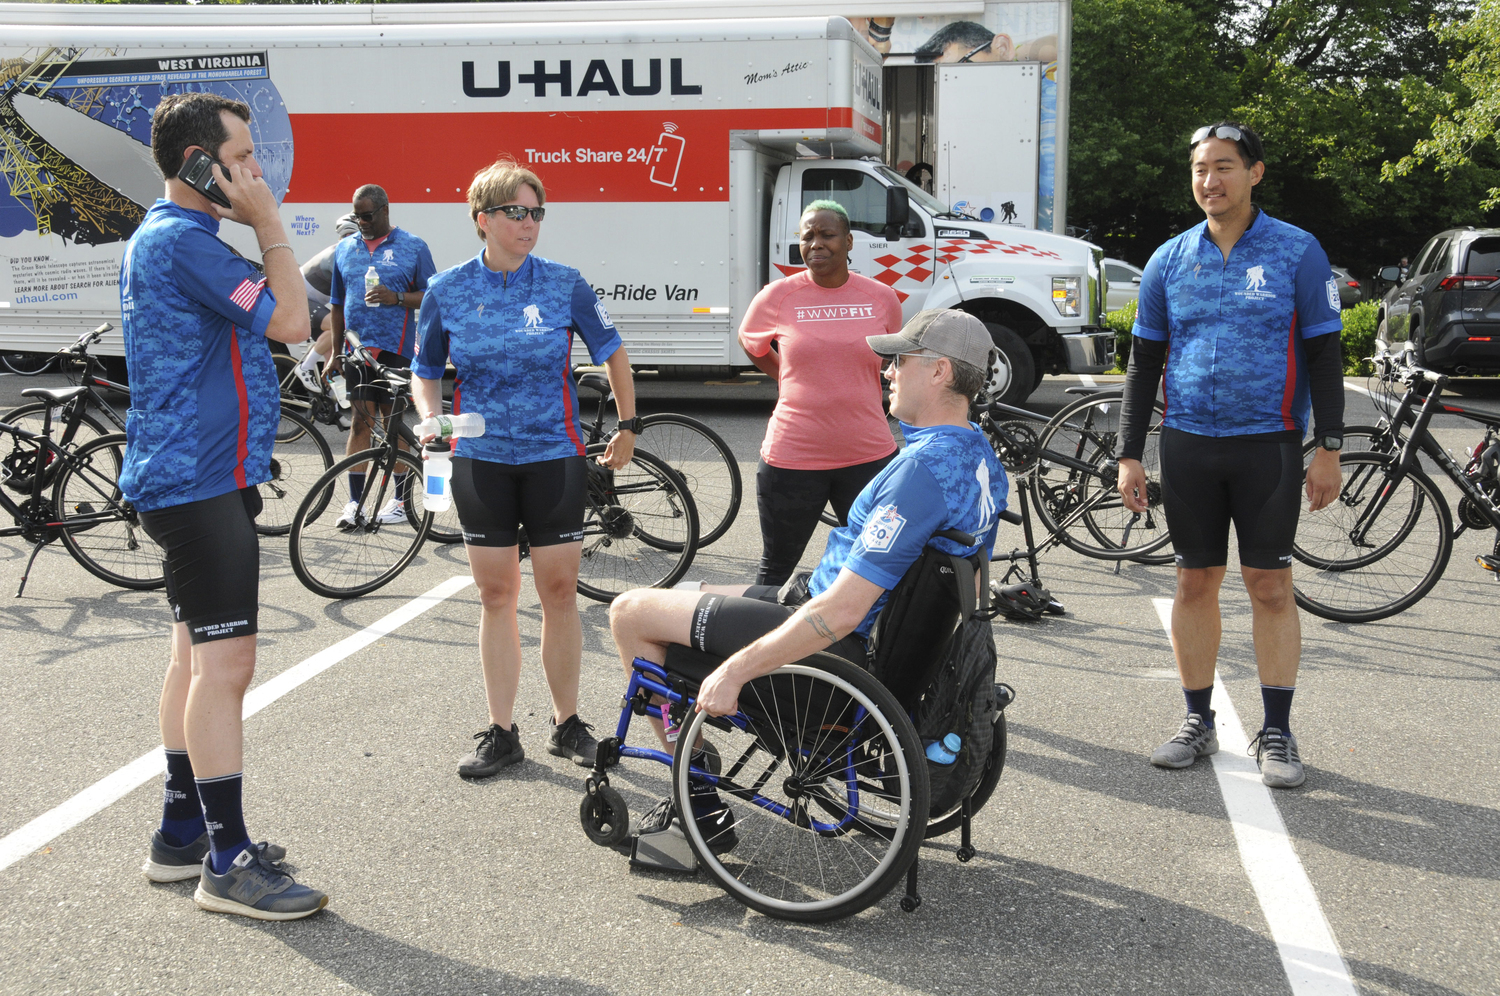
x,y
689,447
1386,540
72,493
298,453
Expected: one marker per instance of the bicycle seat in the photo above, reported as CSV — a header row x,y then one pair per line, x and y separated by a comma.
x,y
594,381
56,395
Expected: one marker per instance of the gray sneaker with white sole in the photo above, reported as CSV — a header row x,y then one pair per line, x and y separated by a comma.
x,y
1280,761
1196,739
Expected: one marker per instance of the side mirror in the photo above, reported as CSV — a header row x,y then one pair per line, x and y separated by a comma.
x,y
1136,281
897,212
1391,274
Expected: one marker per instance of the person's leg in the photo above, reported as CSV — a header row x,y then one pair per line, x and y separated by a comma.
x,y
497,575
365,413
555,572
789,502
1196,625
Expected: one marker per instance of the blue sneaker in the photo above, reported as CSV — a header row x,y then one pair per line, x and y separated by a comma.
x,y
168,863
255,886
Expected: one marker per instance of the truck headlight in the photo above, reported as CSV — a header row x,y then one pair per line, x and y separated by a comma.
x,y
1065,296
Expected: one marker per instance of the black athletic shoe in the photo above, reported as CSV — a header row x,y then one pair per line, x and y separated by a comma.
x,y
715,821
497,749
571,739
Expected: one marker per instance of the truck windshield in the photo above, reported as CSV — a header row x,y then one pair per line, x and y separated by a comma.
x,y
929,203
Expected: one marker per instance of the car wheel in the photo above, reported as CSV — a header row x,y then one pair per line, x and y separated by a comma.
x,y
1012,370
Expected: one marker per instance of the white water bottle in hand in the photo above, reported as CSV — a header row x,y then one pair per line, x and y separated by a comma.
x,y
437,477
372,281
340,388
446,427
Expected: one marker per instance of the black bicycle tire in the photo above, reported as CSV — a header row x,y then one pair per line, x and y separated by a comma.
x,y
305,431
1041,500
1442,546
320,494
709,531
37,363
875,887
81,462
658,469
994,767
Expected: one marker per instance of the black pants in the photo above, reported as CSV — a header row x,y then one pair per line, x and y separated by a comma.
x,y
790,502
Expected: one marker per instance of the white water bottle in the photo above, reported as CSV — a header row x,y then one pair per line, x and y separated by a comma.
x,y
437,477
340,388
446,427
372,281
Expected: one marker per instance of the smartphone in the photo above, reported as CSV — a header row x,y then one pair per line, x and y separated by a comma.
x,y
198,173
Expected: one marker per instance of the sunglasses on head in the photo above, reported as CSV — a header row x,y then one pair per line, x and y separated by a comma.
x,y
1228,133
367,215
975,51
516,212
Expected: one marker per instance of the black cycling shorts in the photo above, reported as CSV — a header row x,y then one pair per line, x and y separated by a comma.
x,y
1253,481
723,624
363,381
212,563
494,499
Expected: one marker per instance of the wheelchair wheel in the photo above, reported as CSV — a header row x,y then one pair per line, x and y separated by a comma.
x,y
814,840
950,821
604,815
640,527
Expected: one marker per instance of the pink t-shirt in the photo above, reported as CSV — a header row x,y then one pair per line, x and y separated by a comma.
x,y
829,413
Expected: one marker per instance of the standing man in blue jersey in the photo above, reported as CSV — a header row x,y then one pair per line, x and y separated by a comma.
x,y
385,319
203,415
1243,313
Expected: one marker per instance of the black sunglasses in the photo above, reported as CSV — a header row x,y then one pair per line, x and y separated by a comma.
x,y
1228,133
515,212
975,51
366,215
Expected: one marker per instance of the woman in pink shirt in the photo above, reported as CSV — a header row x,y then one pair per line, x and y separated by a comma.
x,y
828,435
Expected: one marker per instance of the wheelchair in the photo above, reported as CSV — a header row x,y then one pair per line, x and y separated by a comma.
x,y
822,767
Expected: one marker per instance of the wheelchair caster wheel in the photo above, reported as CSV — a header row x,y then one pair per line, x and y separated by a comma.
x,y
909,904
604,816
966,854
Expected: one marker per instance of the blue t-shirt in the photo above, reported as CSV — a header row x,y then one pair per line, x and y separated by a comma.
x,y
510,336
204,401
947,477
404,264
1235,360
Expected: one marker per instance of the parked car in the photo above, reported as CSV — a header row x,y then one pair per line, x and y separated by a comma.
x,y
1124,283
1448,307
1350,292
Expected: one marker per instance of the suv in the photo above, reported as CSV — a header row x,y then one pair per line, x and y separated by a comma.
x,y
1448,307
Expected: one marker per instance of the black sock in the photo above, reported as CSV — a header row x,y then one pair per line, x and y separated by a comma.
x,y
181,812
1277,700
403,488
356,487
1198,700
224,815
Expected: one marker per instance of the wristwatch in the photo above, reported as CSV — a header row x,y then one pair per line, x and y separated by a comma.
x,y
1334,443
401,299
634,425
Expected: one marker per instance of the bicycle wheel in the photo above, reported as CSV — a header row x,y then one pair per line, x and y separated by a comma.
x,y
344,561
705,462
299,457
815,840
32,416
640,527
27,364
100,528
1082,507
1401,555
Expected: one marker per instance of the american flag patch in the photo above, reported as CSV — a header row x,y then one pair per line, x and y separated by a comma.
x,y
247,293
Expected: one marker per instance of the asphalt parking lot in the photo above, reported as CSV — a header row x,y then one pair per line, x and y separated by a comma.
x,y
1096,872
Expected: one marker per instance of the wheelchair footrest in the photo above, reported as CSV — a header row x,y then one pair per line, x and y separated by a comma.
x,y
663,848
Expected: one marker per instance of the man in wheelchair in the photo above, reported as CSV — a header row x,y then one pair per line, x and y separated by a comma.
x,y
946,478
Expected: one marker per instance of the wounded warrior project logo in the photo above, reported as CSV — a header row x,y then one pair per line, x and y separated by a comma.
x,y
881,530
1255,285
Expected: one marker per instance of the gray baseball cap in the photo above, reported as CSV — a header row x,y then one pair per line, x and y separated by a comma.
x,y
954,334
346,225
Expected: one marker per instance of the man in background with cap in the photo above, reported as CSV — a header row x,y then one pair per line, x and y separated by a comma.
x,y
947,477
317,273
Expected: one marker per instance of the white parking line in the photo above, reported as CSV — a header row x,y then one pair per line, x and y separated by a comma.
x,y
115,786
1309,954
1086,380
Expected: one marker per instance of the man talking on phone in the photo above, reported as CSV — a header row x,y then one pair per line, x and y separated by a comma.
x,y
203,415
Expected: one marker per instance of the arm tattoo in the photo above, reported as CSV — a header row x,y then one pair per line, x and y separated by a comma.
x,y
819,626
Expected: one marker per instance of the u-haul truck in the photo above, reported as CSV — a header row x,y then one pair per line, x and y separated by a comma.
x,y
677,157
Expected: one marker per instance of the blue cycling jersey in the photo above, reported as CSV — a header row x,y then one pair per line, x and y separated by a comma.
x,y
510,336
947,477
1235,360
404,264
204,401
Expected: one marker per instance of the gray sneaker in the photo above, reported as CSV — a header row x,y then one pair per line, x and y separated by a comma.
x,y
166,863
255,886
1196,739
497,748
1280,763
